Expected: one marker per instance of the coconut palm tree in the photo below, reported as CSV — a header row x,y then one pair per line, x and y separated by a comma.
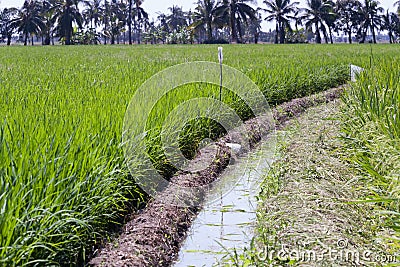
x,y
254,28
176,19
348,16
279,11
66,13
117,19
47,14
93,13
370,19
6,17
236,12
390,23
129,21
203,16
151,33
163,28
315,15
140,15
297,18
330,17
28,20
105,20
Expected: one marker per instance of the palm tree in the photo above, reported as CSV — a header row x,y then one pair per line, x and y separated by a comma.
x,y
6,17
66,13
315,14
330,17
150,33
348,16
163,28
204,16
47,15
280,10
140,16
255,27
129,21
29,20
117,19
93,13
391,23
238,12
370,19
177,18
105,20
297,18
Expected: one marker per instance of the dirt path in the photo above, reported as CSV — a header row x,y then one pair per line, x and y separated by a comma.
x,y
307,220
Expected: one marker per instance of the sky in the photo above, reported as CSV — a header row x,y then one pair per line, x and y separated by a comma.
x,y
154,6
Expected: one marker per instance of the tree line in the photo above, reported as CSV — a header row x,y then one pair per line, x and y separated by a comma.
x,y
211,21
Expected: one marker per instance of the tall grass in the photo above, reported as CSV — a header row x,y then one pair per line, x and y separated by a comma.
x,y
371,124
63,181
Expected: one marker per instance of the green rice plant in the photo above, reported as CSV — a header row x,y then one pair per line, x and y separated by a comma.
x,y
371,127
63,179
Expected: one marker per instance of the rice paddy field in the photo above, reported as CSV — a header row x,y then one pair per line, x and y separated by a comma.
x,y
63,180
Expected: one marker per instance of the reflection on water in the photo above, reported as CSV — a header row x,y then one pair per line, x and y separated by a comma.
x,y
227,221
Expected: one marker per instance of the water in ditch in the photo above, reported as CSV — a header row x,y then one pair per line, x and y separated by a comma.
x,y
228,218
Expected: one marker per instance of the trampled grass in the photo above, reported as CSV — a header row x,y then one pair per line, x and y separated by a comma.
x,y
63,180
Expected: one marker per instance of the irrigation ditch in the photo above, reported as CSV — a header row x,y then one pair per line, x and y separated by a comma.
x,y
153,236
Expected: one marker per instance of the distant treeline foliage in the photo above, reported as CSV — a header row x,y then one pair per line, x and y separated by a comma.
x,y
210,21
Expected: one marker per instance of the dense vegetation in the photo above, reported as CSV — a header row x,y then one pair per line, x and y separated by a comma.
x,y
63,178
372,129
91,21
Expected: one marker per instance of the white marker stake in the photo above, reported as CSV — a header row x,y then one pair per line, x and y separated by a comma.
x,y
355,71
221,58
